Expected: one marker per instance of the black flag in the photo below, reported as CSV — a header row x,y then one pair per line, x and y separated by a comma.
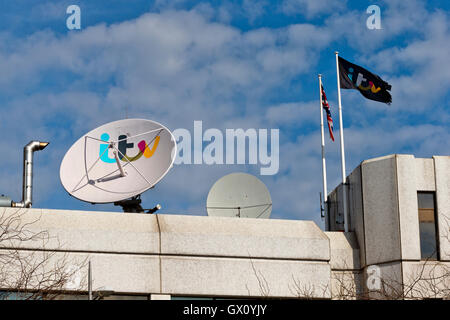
x,y
370,85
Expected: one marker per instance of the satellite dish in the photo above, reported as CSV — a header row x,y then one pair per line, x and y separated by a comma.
x,y
239,195
118,160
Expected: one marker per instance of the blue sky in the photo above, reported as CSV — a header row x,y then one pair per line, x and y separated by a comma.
x,y
231,64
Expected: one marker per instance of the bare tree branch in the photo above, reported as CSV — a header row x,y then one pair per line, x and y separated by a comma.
x,y
36,273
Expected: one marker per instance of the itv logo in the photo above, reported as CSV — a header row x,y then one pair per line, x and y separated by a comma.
x,y
123,145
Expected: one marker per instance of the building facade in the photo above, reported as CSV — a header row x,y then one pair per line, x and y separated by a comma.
x,y
399,212
395,204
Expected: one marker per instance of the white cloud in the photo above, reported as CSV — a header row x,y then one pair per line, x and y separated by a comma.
x,y
427,80
398,17
254,9
299,114
174,67
48,11
179,66
403,16
311,8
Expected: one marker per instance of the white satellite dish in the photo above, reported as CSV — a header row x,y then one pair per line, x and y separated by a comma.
x,y
118,160
239,195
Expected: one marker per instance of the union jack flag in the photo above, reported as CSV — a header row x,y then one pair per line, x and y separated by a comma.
x,y
326,107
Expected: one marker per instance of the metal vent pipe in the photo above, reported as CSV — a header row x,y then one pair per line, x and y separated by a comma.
x,y
27,191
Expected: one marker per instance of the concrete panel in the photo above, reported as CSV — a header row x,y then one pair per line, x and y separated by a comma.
x,y
121,273
125,273
346,285
90,231
35,270
242,237
160,297
339,205
390,284
429,279
442,173
356,210
244,277
336,210
381,210
407,206
424,172
335,221
344,251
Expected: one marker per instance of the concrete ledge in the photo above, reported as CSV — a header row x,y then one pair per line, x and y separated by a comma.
x,y
242,237
126,273
90,231
188,255
116,232
344,251
244,277
135,274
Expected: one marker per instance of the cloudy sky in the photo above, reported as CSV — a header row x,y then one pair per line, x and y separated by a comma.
x,y
232,64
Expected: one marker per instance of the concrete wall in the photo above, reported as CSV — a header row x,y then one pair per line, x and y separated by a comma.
x,y
187,255
209,276
344,251
242,238
384,212
442,178
384,208
335,209
346,280
408,179
356,212
424,174
84,231
381,220
418,275
390,284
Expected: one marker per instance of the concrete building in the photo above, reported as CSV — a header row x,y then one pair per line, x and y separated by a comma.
x,y
399,212
143,256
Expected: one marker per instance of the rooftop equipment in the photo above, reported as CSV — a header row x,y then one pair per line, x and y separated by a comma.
x,y
27,189
117,162
239,195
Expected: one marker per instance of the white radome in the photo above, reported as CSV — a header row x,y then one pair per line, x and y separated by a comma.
x,y
239,195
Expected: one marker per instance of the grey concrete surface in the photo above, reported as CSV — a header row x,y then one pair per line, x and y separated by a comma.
x,y
242,237
407,206
442,177
381,219
344,251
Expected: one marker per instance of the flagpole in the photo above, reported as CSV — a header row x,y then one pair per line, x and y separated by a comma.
x,y
341,131
324,166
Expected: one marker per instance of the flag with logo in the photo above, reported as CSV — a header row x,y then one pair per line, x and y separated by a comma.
x,y
371,86
326,107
